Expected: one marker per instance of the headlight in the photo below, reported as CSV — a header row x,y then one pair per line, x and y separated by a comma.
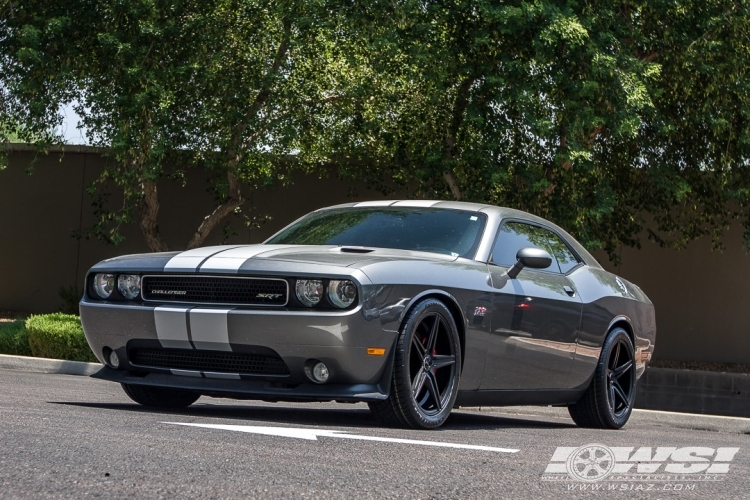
x,y
342,293
309,292
104,284
129,285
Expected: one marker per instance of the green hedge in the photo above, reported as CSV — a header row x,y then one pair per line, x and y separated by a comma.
x,y
14,338
58,336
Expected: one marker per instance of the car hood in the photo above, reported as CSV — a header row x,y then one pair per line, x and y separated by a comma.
x,y
347,256
231,259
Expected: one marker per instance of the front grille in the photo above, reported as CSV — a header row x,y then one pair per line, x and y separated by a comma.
x,y
215,290
209,361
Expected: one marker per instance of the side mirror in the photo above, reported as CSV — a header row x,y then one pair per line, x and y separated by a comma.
x,y
535,258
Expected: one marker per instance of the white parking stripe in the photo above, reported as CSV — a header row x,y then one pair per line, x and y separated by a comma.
x,y
209,329
681,414
171,327
313,434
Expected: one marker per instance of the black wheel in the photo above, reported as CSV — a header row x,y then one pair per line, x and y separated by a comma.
x,y
426,370
608,401
160,397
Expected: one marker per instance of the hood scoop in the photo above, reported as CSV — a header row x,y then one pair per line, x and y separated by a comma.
x,y
356,250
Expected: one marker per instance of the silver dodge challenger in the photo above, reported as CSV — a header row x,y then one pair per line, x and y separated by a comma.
x,y
414,307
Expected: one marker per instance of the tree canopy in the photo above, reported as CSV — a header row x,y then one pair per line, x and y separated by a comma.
x,y
165,85
606,118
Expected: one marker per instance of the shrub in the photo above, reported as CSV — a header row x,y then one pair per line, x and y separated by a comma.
x,y
14,338
58,336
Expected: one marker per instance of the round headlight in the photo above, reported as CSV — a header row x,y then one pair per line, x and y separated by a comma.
x,y
309,292
104,285
129,285
342,293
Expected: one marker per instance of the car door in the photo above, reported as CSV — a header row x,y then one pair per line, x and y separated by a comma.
x,y
535,317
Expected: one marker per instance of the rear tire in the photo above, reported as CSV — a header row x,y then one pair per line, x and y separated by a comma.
x,y
426,370
160,397
608,401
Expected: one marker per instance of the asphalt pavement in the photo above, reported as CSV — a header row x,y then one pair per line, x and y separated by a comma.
x,y
65,436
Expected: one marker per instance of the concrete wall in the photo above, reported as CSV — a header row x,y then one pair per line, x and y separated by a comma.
x,y
700,296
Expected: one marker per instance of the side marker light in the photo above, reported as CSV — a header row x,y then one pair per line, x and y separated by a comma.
x,y
375,351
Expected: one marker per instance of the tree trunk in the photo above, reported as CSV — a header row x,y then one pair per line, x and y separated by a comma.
x,y
451,136
452,180
234,201
149,214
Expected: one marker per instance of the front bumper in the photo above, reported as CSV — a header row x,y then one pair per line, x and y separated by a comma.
x,y
255,389
338,339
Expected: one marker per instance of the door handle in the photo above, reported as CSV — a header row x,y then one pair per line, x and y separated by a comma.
x,y
569,291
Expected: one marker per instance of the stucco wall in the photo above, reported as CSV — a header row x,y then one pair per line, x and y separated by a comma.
x,y
700,296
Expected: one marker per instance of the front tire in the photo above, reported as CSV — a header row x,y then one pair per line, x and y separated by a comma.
x,y
160,397
426,369
608,401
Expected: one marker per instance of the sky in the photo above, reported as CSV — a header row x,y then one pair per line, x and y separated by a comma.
x,y
68,129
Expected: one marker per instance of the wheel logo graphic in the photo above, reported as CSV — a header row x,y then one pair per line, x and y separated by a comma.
x,y
591,462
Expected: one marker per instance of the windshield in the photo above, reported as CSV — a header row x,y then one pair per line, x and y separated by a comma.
x,y
449,232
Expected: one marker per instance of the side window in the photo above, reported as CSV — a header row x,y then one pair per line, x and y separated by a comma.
x,y
565,258
514,236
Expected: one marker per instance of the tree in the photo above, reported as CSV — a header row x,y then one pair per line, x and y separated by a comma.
x,y
604,117
165,85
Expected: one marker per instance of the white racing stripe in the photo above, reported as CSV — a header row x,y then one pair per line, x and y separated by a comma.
x,y
209,329
416,203
313,434
188,262
171,327
382,203
232,376
232,260
186,373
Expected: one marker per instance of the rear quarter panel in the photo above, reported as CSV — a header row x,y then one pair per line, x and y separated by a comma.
x,y
606,303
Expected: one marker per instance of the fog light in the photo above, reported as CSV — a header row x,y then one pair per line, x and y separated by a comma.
x,y
114,361
320,373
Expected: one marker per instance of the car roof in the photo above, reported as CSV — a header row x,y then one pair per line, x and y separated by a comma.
x,y
500,212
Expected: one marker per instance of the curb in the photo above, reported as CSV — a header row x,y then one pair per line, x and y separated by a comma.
x,y
694,391
44,365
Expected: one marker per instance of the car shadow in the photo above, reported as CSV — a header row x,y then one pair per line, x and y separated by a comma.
x,y
356,418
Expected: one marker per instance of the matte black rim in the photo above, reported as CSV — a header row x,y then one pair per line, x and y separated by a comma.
x,y
432,363
620,379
